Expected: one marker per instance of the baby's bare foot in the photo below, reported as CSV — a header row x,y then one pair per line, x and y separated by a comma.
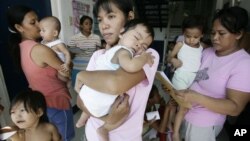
x,y
82,120
80,123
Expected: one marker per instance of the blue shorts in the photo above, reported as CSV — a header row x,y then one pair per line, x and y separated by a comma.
x,y
63,120
73,76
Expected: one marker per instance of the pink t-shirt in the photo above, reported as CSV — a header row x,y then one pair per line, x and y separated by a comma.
x,y
215,75
131,129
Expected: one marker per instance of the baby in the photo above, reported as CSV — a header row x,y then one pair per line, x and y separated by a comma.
x,y
50,29
130,54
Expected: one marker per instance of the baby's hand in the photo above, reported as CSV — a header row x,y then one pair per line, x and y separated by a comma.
x,y
64,71
149,58
176,62
65,67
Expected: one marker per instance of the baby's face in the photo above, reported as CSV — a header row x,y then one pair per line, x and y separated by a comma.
x,y
192,36
48,32
137,39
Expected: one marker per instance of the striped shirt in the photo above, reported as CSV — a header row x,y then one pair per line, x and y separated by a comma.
x,y
83,47
87,44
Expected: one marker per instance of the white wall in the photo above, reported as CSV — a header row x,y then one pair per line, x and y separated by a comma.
x,y
245,4
63,10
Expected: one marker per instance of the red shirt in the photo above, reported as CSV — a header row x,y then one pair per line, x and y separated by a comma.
x,y
44,79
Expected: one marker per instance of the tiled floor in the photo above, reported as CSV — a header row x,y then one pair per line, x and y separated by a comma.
x,y
79,132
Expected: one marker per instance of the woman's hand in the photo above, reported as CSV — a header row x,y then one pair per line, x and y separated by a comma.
x,y
119,112
187,95
172,103
63,73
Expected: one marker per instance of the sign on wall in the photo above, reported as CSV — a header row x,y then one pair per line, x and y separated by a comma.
x,y
80,8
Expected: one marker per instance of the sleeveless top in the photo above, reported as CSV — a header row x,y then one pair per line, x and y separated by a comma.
x,y
104,61
190,57
53,43
44,79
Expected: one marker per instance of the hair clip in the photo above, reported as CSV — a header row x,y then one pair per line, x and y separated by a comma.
x,y
12,31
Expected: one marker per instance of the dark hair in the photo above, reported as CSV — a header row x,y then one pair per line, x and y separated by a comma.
x,y
133,23
234,19
15,15
32,101
194,21
124,5
84,17
152,92
55,20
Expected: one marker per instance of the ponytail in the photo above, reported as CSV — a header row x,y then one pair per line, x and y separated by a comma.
x,y
15,15
13,43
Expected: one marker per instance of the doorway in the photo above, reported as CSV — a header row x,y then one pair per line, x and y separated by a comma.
x,y
15,81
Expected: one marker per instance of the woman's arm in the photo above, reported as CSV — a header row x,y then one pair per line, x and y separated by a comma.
x,y
62,47
133,64
113,82
118,81
44,56
232,105
118,113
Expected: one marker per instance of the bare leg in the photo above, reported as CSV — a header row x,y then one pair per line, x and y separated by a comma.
x,y
177,123
82,120
104,130
171,118
173,106
79,102
103,133
165,119
85,113
118,114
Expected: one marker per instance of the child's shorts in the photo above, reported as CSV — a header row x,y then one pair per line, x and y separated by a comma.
x,y
183,79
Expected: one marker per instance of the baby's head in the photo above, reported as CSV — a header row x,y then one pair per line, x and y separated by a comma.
x,y
28,108
50,28
137,35
193,28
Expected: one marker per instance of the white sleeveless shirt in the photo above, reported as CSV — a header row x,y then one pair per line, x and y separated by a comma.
x,y
190,57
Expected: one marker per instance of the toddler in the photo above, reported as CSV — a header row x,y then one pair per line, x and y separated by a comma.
x,y
28,113
186,59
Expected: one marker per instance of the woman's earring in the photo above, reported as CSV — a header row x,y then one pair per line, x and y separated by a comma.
x,y
131,15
